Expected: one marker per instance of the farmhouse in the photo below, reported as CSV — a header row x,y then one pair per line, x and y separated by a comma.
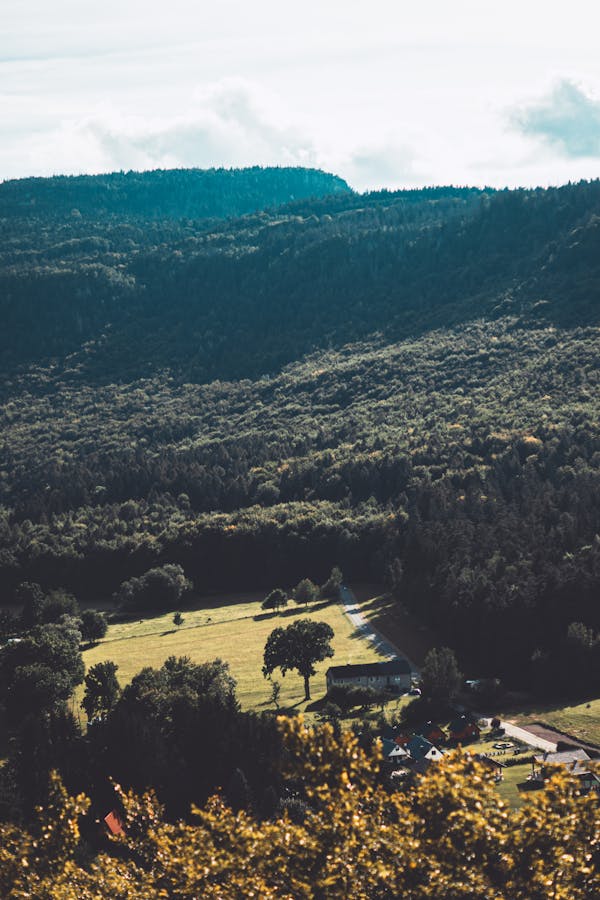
x,y
577,763
393,676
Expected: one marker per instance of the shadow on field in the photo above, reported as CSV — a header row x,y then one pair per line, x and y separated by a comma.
x,y
290,611
317,705
289,711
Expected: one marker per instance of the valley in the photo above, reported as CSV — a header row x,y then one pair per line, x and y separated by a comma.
x,y
214,383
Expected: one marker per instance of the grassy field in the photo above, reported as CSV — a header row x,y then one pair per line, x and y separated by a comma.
x,y
508,787
513,775
581,721
234,629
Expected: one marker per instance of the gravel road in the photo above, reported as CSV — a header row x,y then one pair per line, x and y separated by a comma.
x,y
362,625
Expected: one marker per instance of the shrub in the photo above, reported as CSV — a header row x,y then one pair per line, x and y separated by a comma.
x,y
159,588
93,625
276,599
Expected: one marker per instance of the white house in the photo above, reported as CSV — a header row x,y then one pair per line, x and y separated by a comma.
x,y
394,676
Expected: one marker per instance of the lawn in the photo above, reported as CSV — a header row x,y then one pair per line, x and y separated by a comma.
x,y
234,629
513,775
582,720
408,634
508,787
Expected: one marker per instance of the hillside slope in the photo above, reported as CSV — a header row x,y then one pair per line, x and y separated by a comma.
x,y
115,300
164,193
398,382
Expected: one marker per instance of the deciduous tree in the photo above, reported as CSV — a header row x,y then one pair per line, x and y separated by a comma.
x,y
299,647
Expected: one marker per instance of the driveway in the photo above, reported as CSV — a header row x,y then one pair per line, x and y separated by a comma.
x,y
368,631
527,737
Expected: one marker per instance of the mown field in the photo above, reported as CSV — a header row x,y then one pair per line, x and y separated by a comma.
x,y
581,720
235,629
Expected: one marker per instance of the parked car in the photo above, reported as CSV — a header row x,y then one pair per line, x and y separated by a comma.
x,y
503,745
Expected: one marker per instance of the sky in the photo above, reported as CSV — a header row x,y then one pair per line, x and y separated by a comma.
x,y
385,93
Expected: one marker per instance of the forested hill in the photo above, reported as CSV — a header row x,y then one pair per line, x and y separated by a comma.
x,y
171,193
401,382
114,299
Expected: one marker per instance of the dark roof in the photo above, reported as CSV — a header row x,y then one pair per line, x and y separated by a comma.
x,y
489,762
427,727
564,758
392,667
461,723
418,746
387,746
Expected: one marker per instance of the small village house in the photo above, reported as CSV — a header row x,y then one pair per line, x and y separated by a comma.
x,y
393,676
463,729
420,748
392,752
577,763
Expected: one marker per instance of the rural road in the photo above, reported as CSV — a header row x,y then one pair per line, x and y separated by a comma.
x,y
362,625
386,648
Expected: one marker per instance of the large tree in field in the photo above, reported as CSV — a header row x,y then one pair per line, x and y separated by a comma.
x,y
299,647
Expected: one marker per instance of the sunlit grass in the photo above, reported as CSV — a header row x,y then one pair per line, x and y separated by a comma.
x,y
508,787
581,720
234,629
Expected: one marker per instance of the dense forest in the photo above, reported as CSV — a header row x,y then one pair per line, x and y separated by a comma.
x,y
257,375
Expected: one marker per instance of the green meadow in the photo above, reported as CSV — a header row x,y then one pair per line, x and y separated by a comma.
x,y
234,629
582,720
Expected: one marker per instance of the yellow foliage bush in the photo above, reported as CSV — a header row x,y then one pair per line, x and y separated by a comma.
x,y
447,837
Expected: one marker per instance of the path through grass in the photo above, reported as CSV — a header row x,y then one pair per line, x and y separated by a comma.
x,y
398,626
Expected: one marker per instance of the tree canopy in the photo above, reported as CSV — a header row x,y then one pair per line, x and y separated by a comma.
x,y
40,671
441,679
102,689
298,646
447,835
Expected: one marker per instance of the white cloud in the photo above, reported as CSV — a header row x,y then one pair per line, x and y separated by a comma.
x,y
231,123
567,119
373,166
390,94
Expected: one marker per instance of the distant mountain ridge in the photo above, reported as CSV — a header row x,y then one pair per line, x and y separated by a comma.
x,y
166,193
121,296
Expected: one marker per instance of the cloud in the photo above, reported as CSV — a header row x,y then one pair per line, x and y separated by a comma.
x,y
390,164
231,123
567,119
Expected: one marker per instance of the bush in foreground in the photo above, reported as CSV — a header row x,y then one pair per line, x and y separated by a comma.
x,y
449,835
